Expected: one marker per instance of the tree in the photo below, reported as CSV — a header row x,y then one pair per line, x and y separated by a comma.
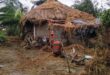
x,y
10,16
105,18
86,6
39,2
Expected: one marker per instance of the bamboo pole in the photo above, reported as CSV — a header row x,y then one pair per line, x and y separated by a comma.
x,y
34,32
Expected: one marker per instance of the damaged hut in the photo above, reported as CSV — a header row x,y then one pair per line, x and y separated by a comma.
x,y
53,15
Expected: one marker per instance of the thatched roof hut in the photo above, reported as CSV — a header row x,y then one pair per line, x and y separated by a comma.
x,y
53,14
53,9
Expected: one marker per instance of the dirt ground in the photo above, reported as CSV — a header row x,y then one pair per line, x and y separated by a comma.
x,y
14,60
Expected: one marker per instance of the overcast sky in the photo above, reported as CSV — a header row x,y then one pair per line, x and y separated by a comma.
x,y
99,3
67,2
27,3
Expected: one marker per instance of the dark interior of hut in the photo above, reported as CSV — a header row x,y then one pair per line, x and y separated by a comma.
x,y
65,35
27,28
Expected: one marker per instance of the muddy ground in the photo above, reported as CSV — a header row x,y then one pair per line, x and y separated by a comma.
x,y
14,60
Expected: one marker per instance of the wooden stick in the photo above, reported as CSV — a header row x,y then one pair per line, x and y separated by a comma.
x,y
69,69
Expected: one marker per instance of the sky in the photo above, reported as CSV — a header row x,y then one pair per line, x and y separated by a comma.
x,y
28,3
100,3
67,2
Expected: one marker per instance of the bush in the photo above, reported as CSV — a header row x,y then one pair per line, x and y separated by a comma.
x,y
13,30
87,6
105,18
2,37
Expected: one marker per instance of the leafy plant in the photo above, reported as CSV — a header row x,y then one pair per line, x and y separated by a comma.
x,y
87,6
105,18
10,16
2,37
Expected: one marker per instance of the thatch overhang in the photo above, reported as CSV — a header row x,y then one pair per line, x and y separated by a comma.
x,y
52,9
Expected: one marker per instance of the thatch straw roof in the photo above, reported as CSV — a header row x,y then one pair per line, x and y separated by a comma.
x,y
53,9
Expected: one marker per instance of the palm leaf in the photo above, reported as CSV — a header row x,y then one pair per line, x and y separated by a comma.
x,y
10,16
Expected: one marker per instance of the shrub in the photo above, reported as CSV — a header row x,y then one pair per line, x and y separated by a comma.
x,y
2,37
105,18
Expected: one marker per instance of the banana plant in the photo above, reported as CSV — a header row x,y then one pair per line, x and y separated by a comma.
x,y
10,16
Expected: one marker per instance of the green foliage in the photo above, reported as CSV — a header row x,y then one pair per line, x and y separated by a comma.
x,y
105,18
2,36
13,30
10,16
40,2
87,6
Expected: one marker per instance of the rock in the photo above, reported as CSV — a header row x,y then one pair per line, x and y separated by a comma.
x,y
1,66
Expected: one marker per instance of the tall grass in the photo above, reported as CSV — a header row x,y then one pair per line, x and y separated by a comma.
x,y
98,66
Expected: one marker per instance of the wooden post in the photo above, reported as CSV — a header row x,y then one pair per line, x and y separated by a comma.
x,y
66,58
34,31
67,61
